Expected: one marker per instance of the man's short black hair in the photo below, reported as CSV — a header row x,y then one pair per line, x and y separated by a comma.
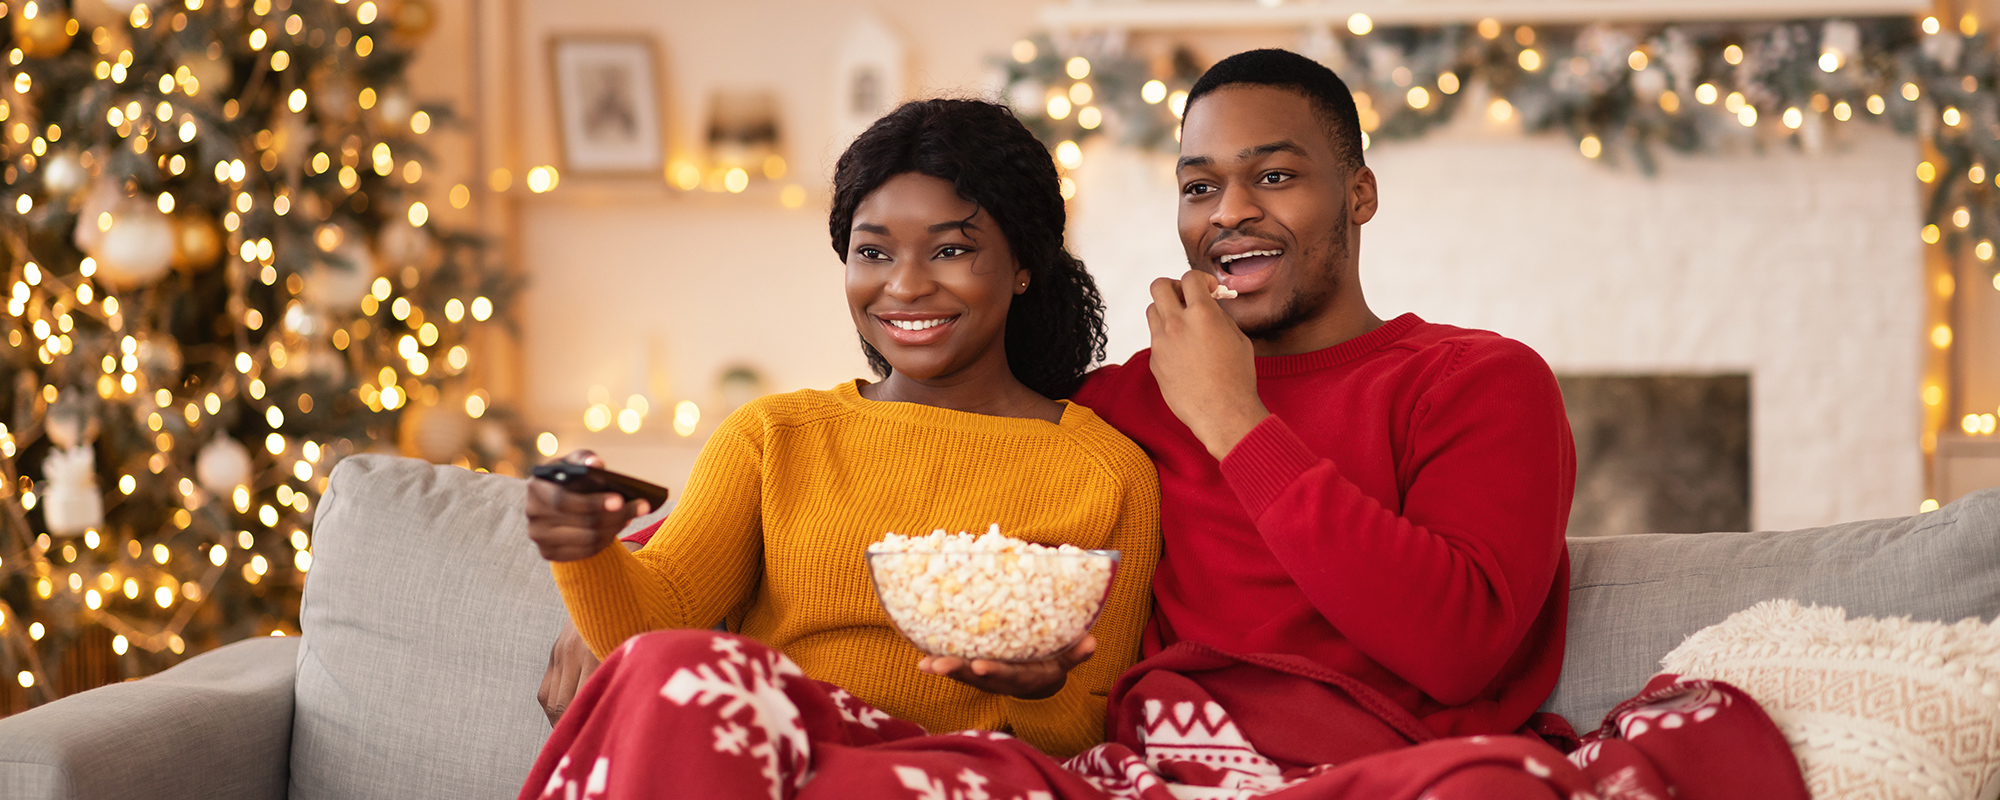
x,y
1331,101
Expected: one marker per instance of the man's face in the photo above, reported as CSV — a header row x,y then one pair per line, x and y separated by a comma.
x,y
1264,205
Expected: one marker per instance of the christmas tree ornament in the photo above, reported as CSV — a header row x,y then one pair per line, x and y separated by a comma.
x,y
91,220
63,173
401,244
71,502
71,421
197,241
222,465
337,282
45,35
395,107
138,247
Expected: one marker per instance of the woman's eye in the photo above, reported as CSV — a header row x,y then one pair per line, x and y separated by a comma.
x,y
952,251
870,253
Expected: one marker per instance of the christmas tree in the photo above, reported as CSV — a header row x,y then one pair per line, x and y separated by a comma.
x,y
221,281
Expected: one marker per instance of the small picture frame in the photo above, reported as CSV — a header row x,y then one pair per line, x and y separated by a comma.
x,y
608,109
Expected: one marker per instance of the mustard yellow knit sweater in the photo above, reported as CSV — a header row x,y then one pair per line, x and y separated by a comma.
x,y
788,494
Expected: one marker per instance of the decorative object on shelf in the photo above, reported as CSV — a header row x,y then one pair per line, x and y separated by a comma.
x,y
196,331
608,105
868,77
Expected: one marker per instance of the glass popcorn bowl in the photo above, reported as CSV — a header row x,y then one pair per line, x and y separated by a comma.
x,y
1005,606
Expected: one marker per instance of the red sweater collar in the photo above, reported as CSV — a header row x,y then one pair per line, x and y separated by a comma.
x,y
1278,366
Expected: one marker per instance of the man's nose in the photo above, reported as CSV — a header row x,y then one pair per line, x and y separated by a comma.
x,y
1235,207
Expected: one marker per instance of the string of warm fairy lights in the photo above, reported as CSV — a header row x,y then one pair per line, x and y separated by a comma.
x,y
205,343
1620,92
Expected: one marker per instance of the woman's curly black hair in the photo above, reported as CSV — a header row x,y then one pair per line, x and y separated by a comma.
x,y
1055,330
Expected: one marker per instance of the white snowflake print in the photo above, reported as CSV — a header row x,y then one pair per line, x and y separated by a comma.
x,y
1695,706
971,786
854,710
740,682
1123,776
561,787
1624,785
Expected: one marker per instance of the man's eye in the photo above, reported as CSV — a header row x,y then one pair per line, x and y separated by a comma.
x,y
1198,188
1275,177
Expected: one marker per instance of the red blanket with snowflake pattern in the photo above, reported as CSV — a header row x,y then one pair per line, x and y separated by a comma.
x,y
685,714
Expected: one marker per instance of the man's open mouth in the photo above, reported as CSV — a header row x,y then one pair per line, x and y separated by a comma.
x,y
1248,262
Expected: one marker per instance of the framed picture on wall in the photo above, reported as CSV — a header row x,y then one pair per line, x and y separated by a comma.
x,y
608,107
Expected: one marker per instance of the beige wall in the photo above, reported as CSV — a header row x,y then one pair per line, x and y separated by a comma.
x,y
1802,270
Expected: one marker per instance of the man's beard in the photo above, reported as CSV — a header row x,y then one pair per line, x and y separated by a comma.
x,y
1308,301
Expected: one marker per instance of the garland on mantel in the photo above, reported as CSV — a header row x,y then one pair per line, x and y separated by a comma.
x,y
1619,91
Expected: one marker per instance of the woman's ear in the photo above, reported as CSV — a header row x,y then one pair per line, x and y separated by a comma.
x,y
1021,281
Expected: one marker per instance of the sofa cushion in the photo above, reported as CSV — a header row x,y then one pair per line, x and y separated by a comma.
x,y
426,626
1634,598
1883,708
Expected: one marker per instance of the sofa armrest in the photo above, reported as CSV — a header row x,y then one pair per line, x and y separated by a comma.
x,y
218,725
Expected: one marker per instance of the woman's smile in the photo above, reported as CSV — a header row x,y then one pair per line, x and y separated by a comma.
x,y
915,329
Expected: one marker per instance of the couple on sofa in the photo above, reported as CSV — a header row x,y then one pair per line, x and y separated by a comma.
x,y
1343,572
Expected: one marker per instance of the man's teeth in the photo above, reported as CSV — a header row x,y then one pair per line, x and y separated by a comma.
x,y
919,324
1235,256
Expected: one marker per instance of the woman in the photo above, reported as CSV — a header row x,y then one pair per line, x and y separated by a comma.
x,y
948,218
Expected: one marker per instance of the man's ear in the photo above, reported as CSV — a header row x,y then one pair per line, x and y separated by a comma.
x,y
1361,196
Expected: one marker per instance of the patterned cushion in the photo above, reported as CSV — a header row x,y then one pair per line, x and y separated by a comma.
x,y
1875,708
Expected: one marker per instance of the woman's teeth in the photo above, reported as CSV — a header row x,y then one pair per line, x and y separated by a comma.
x,y
919,324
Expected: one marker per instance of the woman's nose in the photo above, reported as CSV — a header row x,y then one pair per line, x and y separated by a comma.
x,y
909,280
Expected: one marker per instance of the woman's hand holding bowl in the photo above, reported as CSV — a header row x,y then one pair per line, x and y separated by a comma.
x,y
1034,680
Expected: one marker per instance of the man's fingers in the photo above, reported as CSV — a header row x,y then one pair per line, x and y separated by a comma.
x,y
1167,295
1197,289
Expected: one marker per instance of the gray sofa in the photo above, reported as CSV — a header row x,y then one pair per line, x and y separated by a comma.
x,y
428,616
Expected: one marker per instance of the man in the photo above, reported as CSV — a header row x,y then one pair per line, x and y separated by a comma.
x,y
1384,498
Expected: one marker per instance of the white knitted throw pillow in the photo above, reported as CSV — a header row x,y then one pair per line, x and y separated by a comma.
x,y
1873,708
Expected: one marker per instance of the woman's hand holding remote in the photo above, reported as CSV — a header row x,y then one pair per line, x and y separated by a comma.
x,y
572,526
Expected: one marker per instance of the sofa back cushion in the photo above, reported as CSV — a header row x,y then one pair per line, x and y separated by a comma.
x,y
1634,598
426,626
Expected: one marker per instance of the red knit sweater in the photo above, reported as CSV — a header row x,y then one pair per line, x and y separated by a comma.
x,y
1399,518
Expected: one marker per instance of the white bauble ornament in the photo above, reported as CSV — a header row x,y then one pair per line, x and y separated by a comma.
x,y
71,503
404,245
395,107
137,250
222,465
104,198
63,173
338,281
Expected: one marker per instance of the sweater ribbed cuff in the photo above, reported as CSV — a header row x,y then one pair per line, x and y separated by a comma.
x,y
1264,463
1066,723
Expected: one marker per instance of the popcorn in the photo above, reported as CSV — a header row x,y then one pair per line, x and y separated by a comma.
x,y
1222,293
989,596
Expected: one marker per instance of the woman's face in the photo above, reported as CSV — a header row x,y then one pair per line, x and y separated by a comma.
x,y
930,278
